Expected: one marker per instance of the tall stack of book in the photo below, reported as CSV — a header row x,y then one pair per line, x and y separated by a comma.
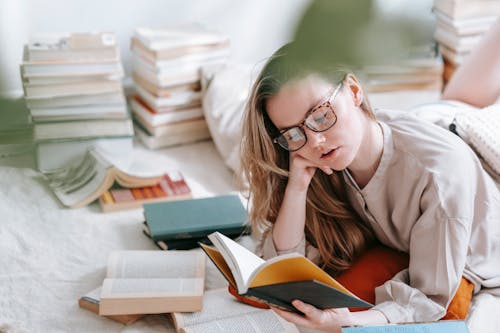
x,y
72,86
166,72
422,71
460,26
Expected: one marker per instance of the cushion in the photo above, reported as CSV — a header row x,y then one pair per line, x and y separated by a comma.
x,y
225,91
379,264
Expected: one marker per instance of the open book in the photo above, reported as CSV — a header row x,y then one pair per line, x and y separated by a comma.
x,y
280,280
153,282
82,182
224,314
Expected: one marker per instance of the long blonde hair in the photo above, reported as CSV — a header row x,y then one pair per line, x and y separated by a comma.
x,y
331,224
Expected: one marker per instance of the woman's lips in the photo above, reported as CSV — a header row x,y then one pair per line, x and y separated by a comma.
x,y
328,153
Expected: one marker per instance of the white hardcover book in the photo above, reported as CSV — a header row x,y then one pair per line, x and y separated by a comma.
x,y
177,37
178,99
454,42
157,119
76,100
72,69
71,89
156,142
111,111
196,57
73,47
164,81
82,129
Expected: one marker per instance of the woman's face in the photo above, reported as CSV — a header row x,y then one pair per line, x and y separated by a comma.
x,y
336,147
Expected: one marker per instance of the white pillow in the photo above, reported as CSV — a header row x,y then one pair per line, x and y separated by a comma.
x,y
481,130
225,91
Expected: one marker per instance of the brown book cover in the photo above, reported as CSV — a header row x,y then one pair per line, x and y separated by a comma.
x,y
90,301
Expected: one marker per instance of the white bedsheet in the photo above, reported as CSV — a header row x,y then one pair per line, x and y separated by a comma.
x,y
50,256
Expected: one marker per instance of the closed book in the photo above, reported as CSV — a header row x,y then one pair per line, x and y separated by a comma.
x,y
178,99
72,88
77,100
82,129
29,69
442,326
73,47
179,37
81,112
191,243
159,91
195,218
155,118
173,139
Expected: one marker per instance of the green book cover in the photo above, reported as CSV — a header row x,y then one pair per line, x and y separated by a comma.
x,y
195,217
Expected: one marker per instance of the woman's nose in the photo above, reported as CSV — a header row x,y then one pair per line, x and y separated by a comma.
x,y
315,138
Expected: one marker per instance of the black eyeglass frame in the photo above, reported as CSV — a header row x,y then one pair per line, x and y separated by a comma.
x,y
327,103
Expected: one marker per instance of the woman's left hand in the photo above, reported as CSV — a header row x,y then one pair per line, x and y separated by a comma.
x,y
329,320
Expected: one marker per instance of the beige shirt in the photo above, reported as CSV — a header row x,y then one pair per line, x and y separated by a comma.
x,y
431,198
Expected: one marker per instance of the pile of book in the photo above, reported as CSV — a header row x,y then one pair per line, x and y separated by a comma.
x,y
421,71
72,86
166,72
460,25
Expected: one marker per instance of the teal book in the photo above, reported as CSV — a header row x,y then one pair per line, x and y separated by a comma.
x,y
195,218
443,326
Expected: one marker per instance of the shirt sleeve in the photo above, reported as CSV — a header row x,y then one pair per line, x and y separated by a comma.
x,y
438,251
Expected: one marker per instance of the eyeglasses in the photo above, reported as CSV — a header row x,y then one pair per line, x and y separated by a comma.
x,y
319,119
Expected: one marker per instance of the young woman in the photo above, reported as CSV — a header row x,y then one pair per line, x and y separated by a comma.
x,y
326,178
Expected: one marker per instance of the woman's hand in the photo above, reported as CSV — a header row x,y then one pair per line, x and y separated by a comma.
x,y
301,172
329,320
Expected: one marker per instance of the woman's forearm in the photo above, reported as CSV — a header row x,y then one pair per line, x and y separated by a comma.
x,y
288,228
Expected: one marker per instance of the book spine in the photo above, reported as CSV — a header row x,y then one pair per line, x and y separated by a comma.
x,y
230,232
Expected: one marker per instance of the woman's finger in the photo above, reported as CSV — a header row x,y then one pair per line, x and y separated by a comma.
x,y
293,317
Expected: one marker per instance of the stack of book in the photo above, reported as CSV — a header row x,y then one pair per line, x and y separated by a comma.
x,y
166,72
460,26
421,71
72,86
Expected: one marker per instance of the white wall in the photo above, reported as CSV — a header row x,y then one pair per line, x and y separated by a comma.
x,y
256,27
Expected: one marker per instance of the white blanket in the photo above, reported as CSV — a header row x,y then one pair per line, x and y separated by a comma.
x,y
50,256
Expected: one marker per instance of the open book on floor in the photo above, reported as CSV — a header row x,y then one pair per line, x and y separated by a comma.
x,y
172,186
280,280
85,180
224,314
146,282
90,301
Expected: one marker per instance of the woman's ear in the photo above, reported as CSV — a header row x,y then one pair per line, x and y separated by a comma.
x,y
355,89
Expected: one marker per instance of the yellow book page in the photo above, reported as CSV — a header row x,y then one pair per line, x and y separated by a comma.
x,y
219,261
296,268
